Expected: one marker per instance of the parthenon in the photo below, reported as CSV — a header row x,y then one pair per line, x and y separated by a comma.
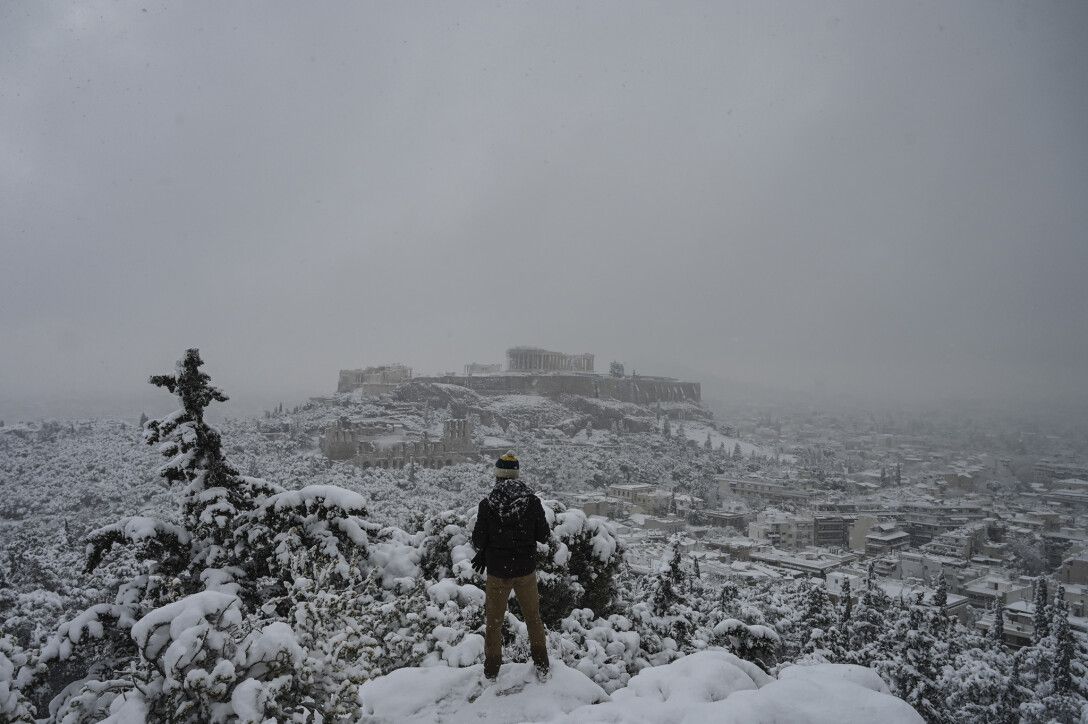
x,y
535,359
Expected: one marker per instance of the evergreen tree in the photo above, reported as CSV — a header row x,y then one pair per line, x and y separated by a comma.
x,y
916,666
1063,644
727,597
940,596
670,582
1012,695
143,419
200,618
1042,611
737,454
868,624
998,631
816,618
847,602
708,445
666,428
898,474
214,495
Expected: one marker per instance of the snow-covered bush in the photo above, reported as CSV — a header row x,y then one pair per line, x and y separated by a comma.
x,y
444,545
758,644
325,520
14,706
604,649
580,567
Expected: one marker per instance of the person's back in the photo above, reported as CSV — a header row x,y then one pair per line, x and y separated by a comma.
x,y
510,522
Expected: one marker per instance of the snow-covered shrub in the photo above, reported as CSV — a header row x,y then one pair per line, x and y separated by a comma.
x,y
187,650
74,669
604,649
323,519
443,546
14,706
758,644
580,567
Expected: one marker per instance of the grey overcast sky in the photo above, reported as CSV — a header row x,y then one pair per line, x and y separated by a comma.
x,y
885,197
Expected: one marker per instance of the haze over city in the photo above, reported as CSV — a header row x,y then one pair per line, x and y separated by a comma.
x,y
877,199
742,343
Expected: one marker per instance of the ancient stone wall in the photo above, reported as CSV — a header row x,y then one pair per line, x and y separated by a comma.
x,y
358,442
339,443
374,380
640,390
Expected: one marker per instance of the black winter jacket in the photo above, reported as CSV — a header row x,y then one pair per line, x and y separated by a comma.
x,y
510,546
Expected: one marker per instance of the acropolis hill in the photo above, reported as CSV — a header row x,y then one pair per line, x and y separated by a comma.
x,y
532,370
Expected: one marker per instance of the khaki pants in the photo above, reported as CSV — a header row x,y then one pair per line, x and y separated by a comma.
x,y
498,591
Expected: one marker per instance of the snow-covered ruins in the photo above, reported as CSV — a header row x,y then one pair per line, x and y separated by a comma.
x,y
262,573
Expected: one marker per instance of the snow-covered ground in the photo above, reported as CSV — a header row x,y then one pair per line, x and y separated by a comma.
x,y
697,432
709,686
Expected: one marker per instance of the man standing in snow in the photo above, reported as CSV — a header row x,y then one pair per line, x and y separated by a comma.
x,y
509,524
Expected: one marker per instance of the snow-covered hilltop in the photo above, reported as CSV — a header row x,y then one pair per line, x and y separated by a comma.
x,y
709,686
257,578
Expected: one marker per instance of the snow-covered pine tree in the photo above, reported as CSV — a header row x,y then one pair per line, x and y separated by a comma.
x,y
847,604
669,583
816,620
997,633
206,646
1063,645
940,596
915,667
974,682
727,598
866,642
1012,695
214,494
1042,611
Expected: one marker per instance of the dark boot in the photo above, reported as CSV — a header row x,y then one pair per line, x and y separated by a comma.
x,y
540,660
491,667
